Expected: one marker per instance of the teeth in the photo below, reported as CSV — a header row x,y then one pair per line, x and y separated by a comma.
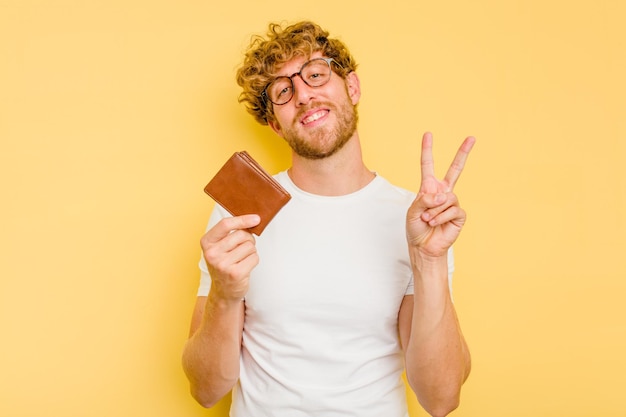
x,y
314,117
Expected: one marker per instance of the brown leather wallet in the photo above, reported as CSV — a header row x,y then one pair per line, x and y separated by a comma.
x,y
242,186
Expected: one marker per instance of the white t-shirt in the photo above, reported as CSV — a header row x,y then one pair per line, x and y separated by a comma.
x,y
321,324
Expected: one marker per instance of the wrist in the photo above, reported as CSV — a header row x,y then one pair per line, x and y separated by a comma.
x,y
221,313
422,260
429,271
219,301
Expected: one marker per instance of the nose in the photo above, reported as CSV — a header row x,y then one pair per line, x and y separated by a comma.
x,y
303,93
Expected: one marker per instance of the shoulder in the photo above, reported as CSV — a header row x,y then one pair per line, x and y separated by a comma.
x,y
388,190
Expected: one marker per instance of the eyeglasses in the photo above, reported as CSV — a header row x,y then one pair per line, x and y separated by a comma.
x,y
314,73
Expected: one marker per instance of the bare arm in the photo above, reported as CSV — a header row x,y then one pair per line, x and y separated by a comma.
x,y
211,354
437,357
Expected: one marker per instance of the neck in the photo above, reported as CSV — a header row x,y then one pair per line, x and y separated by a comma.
x,y
339,174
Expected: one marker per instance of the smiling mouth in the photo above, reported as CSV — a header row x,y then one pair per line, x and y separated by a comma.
x,y
313,117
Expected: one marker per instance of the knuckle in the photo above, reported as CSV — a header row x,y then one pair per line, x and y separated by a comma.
x,y
210,254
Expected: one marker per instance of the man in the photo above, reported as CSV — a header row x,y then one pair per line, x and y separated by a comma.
x,y
348,285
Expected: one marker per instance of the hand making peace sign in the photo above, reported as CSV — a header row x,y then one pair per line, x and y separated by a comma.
x,y
435,218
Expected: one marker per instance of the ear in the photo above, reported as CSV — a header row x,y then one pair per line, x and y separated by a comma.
x,y
275,127
354,87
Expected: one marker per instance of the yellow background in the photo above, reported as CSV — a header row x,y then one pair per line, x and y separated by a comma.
x,y
114,114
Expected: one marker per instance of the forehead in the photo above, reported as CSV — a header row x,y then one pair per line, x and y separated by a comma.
x,y
293,65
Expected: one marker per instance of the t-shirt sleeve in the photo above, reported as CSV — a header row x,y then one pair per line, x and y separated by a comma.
x,y
205,278
450,270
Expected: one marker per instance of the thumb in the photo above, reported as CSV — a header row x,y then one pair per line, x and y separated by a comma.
x,y
425,201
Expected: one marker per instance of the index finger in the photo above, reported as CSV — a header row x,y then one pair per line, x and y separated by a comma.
x,y
454,172
229,224
427,161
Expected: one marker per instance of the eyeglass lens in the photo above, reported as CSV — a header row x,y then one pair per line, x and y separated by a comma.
x,y
314,73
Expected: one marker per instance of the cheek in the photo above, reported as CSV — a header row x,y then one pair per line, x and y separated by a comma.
x,y
284,117
276,126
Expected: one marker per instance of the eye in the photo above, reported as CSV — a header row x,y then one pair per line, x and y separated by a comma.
x,y
284,92
316,73
280,90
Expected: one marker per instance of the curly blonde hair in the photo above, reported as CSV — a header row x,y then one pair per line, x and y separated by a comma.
x,y
265,57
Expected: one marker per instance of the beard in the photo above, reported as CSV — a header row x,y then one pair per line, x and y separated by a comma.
x,y
323,141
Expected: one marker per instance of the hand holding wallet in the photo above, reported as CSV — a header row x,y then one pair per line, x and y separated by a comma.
x,y
242,186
